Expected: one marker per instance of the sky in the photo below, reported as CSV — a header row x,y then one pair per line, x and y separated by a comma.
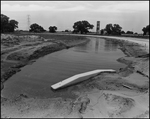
x,y
130,15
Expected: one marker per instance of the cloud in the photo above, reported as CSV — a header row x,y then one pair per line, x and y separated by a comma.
x,y
17,7
35,7
77,8
135,6
125,7
96,6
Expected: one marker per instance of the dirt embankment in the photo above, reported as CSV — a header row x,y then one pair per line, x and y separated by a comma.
x,y
124,93
18,51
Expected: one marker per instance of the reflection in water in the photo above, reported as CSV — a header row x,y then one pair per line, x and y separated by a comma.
x,y
83,47
97,45
110,46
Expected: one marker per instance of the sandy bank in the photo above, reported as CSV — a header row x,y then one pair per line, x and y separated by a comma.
x,y
121,94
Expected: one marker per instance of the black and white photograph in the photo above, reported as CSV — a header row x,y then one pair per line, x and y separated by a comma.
x,y
75,59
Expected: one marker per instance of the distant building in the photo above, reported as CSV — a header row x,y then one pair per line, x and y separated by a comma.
x,y
98,27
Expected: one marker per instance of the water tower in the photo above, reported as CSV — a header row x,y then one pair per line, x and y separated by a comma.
x,y
98,27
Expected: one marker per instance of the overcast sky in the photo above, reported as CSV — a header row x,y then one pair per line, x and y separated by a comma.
x,y
130,15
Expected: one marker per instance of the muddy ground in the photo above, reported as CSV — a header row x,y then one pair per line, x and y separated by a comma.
x,y
124,93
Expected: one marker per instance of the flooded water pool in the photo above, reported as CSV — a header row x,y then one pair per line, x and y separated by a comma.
x,y
35,80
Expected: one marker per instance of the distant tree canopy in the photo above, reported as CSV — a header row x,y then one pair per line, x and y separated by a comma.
x,y
135,33
129,32
67,30
52,29
122,32
145,30
102,31
82,27
113,29
36,28
8,25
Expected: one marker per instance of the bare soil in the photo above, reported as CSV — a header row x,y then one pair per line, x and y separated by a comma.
x,y
124,93
20,50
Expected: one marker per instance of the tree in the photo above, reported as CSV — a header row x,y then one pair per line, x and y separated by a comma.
x,y
4,22
13,25
113,29
129,32
8,25
145,30
135,33
102,31
82,27
41,29
67,30
36,28
52,29
117,29
109,28
122,32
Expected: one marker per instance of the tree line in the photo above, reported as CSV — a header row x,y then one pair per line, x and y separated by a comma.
x,y
82,27
37,28
8,25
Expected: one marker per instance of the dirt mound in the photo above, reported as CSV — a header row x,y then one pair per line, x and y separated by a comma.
x,y
11,40
31,38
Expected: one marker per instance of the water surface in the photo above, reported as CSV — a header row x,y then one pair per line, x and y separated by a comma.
x,y
35,80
